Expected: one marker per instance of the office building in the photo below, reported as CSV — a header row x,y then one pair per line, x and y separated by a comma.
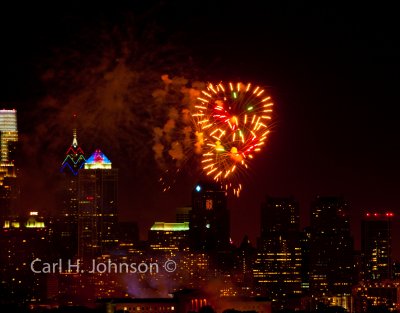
x,y
209,218
210,226
331,249
169,237
8,143
277,267
9,191
73,162
376,245
97,208
376,296
67,224
23,239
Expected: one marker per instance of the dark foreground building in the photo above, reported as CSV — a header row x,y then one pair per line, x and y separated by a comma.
x,y
376,246
277,268
331,252
187,301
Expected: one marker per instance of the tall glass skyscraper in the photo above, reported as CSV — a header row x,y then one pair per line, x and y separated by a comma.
x,y
210,225
8,142
277,268
74,161
209,218
331,250
97,206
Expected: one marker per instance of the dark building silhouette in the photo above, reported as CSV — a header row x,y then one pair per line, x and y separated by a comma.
x,y
97,213
128,232
244,257
209,219
67,223
277,268
331,251
396,270
305,242
183,214
209,231
376,246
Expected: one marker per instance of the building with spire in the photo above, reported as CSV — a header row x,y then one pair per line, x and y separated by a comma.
x,y
67,223
9,191
97,208
74,158
73,162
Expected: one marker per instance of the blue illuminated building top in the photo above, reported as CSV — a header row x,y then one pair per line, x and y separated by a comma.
x,y
98,160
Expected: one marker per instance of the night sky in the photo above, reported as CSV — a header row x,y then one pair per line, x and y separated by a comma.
x,y
333,71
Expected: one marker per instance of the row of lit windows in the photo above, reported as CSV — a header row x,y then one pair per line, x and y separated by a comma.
x,y
149,308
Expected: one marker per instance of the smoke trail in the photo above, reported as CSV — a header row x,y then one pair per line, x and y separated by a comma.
x,y
175,140
109,76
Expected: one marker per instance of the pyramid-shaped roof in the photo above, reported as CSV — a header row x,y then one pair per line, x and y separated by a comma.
x,y
98,160
74,159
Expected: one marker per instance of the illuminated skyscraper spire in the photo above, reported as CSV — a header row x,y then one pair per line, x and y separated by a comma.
x,y
68,224
75,140
74,159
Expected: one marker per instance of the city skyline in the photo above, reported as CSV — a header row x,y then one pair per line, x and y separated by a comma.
x,y
288,264
76,155
254,144
333,85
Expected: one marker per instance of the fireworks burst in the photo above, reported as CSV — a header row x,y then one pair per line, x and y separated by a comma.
x,y
234,122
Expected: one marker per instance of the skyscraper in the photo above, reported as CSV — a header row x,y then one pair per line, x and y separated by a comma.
x,y
74,159
376,245
209,218
8,141
277,268
305,240
9,191
210,226
331,248
68,218
97,211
